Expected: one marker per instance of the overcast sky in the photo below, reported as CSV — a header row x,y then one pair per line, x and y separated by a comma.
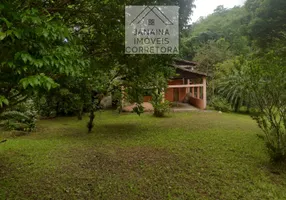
x,y
206,7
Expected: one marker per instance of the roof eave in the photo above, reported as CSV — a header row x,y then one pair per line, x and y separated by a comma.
x,y
190,71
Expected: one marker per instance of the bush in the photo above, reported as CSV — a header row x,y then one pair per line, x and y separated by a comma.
x,y
21,117
160,107
26,106
15,120
275,133
138,109
220,104
46,106
269,97
60,103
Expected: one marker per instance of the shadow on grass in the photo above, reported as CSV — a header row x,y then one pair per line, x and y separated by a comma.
x,y
276,168
110,131
103,131
122,131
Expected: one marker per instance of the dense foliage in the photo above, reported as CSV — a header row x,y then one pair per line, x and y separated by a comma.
x,y
243,51
67,55
36,48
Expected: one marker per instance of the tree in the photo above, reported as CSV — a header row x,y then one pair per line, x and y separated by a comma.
x,y
269,92
77,46
234,83
212,53
102,34
36,48
267,21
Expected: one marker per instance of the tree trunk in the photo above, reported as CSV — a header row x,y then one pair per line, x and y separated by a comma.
x,y
80,112
91,115
91,118
236,107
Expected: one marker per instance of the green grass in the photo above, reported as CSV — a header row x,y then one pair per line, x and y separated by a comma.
x,y
194,155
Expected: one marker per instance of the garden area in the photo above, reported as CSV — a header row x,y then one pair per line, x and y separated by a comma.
x,y
72,119
194,155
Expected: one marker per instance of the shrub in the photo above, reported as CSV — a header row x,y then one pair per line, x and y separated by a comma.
x,y
139,109
274,129
21,117
15,120
234,85
220,104
269,95
60,103
28,105
160,107
46,106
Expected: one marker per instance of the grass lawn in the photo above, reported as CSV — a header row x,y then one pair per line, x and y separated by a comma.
x,y
185,156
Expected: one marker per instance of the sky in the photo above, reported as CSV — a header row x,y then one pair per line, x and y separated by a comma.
x,y
206,7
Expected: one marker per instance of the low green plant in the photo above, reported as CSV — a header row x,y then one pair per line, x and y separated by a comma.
x,y
139,109
161,106
274,130
15,120
220,104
